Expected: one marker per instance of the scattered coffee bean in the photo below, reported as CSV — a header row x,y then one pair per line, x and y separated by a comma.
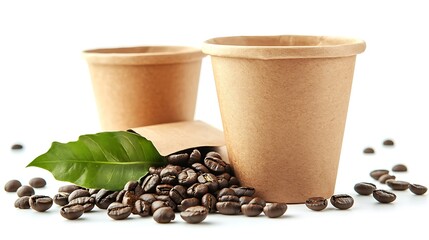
x,y
383,196
210,180
17,146
142,208
228,198
178,159
233,181
342,201
275,210
244,191
316,203
386,177
398,185
40,203
72,212
194,214
188,202
25,190
118,211
12,185
157,204
23,202
209,201
199,168
148,197
376,174
155,170
88,203
388,142
258,201
164,215
228,208
418,189
178,193
163,189
133,187
244,200
187,177
399,168
68,188
169,175
149,183
78,193
37,182
216,164
105,197
61,198
252,210
194,157
369,150
197,190
364,188
168,201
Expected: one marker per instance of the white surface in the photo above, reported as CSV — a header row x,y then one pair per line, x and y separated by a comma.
x,y
45,96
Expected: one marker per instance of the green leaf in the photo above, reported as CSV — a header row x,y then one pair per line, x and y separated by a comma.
x,y
103,160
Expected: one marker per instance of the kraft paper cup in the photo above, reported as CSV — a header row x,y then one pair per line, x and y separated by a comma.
x,y
145,85
283,103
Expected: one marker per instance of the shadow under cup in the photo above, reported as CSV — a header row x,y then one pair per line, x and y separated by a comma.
x,y
145,85
283,103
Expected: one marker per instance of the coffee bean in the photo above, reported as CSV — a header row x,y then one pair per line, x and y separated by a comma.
x,y
93,191
200,168
12,185
252,210
61,198
376,174
194,157
197,190
188,202
168,201
225,192
364,188
228,208
398,185
223,180
215,164
244,200
164,215
155,170
209,201
388,142
149,183
129,198
23,202
258,201
210,180
342,201
178,193
148,197
214,154
37,182
187,177
134,187
72,212
233,181
68,188
163,189
383,196
386,177
244,191
228,198
418,189
399,168
368,150
40,203
194,214
88,203
178,159
119,197
142,208
25,190
157,204
78,193
17,146
118,211
274,210
106,197
316,203
169,175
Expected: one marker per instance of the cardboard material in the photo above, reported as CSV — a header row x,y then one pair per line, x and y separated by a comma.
x,y
283,102
139,86
169,138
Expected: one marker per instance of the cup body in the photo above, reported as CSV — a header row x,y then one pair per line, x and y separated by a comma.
x,y
283,103
139,86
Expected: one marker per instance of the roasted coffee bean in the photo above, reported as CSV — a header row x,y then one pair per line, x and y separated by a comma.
x,y
200,168
228,198
215,164
148,197
197,190
258,201
37,182
61,198
376,174
399,168
194,214
194,157
119,197
386,177
155,170
129,198
157,204
369,150
164,215
177,167
106,197
141,208
88,203
12,185
252,210
209,201
244,200
78,193
168,201
364,188
16,146
134,187
342,201
93,191
163,189
187,177
72,212
388,142
25,190
68,188
383,196
316,203
223,180
40,203
150,182
23,202
398,185
233,181
178,193
214,154
169,175
178,159
418,189
226,192
210,180
244,191
228,208
188,202
274,210
118,211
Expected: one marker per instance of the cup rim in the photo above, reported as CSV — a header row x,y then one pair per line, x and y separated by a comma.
x,y
141,55
283,46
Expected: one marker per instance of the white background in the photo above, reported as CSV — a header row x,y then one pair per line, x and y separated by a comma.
x,y
46,95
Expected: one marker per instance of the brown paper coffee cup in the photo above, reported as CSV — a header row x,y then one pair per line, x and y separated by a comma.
x,y
139,86
283,103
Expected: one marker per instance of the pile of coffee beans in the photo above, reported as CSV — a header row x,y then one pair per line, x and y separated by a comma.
x,y
192,183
